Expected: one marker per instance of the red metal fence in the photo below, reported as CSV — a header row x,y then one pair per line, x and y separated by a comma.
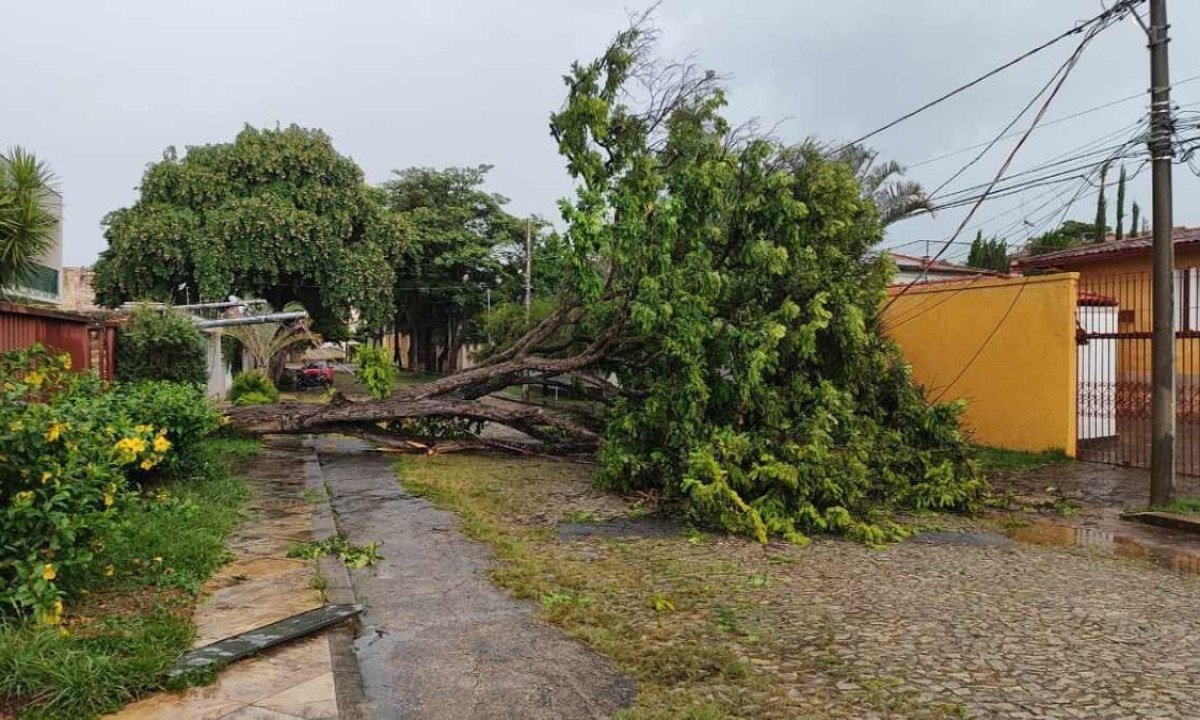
x,y
89,341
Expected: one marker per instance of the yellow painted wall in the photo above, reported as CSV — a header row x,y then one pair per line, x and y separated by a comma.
x,y
1020,390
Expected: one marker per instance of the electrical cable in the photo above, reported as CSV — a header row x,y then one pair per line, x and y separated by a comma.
x,y
1100,20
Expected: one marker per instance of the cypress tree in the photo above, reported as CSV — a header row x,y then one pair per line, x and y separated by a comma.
x,y
1101,206
1133,223
1121,204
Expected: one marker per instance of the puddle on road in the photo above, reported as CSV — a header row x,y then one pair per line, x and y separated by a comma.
x,y
1182,560
1182,556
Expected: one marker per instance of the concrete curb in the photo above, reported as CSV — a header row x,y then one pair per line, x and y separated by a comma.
x,y
1173,521
351,699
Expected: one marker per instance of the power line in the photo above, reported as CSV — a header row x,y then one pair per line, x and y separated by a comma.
x,y
1048,123
1089,25
1062,73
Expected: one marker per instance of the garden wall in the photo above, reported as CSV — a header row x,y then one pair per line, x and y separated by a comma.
x,y
1006,346
89,341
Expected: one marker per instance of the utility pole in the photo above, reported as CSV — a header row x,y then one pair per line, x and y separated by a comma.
x,y
528,287
1162,409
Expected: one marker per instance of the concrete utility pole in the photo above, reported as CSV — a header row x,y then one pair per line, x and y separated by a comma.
x,y
1162,409
528,286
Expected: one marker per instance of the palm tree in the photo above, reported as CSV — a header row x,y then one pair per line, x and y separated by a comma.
x,y
265,342
895,197
27,221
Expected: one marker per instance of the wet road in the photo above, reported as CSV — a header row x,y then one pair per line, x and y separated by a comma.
x,y
438,640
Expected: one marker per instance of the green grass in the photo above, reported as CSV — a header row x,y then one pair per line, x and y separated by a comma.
x,y
997,461
124,629
1183,506
706,626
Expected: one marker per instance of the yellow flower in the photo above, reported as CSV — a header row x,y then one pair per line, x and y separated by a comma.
x,y
53,616
147,464
46,475
24,497
109,570
109,499
48,572
56,430
161,444
34,378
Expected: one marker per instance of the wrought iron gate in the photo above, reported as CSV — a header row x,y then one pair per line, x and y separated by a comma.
x,y
1113,333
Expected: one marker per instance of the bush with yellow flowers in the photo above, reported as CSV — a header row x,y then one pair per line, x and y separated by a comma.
x,y
69,446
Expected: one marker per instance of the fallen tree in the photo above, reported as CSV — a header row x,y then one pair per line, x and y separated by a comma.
x,y
727,283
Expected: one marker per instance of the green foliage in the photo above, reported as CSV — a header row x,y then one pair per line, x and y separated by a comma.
x,y
137,623
759,388
181,409
27,218
1070,234
374,369
989,254
463,243
276,214
1135,211
895,198
68,447
354,556
253,387
1121,205
505,323
164,345
1101,207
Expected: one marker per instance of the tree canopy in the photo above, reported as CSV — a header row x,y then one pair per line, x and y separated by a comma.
x,y
459,237
277,214
725,284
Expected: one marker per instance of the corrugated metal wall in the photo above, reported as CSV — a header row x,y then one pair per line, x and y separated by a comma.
x,y
22,326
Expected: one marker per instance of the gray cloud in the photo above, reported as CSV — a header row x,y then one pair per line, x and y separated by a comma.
x,y
100,88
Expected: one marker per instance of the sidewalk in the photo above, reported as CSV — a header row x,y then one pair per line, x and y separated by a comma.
x,y
261,586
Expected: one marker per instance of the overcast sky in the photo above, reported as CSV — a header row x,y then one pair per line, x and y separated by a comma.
x,y
99,88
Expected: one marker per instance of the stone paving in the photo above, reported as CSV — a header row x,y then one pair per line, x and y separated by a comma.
x,y
260,586
1005,630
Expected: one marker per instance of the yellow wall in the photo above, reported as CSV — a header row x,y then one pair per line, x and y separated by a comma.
x,y
1020,390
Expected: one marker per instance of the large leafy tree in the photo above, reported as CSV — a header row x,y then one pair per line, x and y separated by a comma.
x,y
460,234
727,285
277,214
27,220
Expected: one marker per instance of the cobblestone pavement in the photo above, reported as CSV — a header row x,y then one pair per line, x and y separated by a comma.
x,y
1004,630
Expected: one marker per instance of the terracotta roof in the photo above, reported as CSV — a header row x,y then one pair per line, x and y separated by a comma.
x,y
1095,252
912,262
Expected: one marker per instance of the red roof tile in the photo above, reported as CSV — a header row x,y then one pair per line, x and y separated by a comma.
x,y
1094,252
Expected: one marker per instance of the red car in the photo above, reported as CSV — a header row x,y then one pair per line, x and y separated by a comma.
x,y
316,373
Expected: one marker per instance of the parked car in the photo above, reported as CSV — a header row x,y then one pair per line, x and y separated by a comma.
x,y
315,373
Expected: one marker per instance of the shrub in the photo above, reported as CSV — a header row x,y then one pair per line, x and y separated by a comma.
x,y
160,346
180,408
68,447
373,368
253,387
